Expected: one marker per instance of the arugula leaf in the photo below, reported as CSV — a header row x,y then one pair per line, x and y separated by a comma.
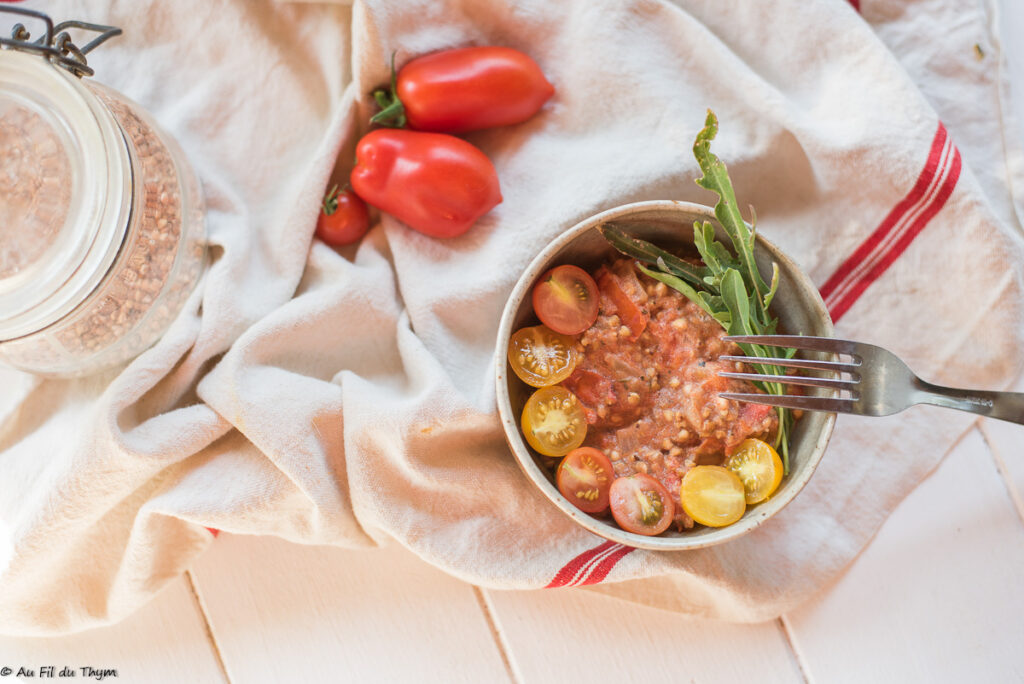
x,y
649,254
773,288
680,285
713,253
734,294
729,287
727,211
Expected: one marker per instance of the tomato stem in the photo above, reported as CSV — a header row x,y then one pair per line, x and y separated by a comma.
x,y
331,200
392,111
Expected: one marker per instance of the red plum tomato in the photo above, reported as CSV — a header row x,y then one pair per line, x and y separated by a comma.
x,y
434,183
465,89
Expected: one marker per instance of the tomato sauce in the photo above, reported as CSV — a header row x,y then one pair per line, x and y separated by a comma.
x,y
648,383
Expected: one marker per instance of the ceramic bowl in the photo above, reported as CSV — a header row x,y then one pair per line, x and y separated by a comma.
x,y
668,224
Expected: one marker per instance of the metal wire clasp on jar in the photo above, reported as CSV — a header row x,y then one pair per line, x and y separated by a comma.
x,y
102,234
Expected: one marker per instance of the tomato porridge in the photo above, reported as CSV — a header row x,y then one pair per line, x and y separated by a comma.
x,y
647,380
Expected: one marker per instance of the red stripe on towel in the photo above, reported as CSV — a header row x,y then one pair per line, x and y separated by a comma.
x,y
571,569
925,178
841,306
606,565
898,229
591,566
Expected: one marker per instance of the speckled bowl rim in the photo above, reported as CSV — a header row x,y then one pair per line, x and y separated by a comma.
x,y
754,516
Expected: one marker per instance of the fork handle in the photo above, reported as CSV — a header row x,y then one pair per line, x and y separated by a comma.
x,y
1001,405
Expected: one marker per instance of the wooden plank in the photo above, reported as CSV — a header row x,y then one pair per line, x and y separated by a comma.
x,y
937,595
165,641
574,635
286,613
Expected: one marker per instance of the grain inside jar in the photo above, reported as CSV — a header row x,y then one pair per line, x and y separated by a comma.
x,y
153,275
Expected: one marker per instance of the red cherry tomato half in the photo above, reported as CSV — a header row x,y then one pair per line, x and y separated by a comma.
x,y
640,504
631,315
584,478
343,219
437,184
591,388
465,89
566,300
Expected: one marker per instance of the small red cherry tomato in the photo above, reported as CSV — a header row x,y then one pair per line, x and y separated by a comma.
x,y
584,478
437,184
566,299
640,504
343,219
464,89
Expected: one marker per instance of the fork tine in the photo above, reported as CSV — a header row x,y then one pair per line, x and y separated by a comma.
x,y
802,380
794,402
823,344
835,366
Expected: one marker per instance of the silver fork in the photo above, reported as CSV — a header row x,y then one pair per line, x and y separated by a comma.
x,y
878,383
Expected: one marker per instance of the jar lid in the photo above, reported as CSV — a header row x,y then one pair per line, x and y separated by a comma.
x,y
66,184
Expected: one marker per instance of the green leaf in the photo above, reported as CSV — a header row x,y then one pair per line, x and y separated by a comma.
x,y
644,251
712,252
714,301
716,179
716,305
774,286
680,285
734,294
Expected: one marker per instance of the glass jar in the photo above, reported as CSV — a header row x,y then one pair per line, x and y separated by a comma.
x,y
102,234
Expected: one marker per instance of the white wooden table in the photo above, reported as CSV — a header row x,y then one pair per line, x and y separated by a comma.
x,y
938,596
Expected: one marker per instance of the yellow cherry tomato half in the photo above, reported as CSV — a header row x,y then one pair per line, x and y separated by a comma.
x,y
712,496
553,421
758,467
542,357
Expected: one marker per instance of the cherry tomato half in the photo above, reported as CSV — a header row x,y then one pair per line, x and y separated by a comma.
x,y
629,312
465,89
712,495
343,219
759,468
592,388
585,477
640,504
542,357
553,421
437,184
566,299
